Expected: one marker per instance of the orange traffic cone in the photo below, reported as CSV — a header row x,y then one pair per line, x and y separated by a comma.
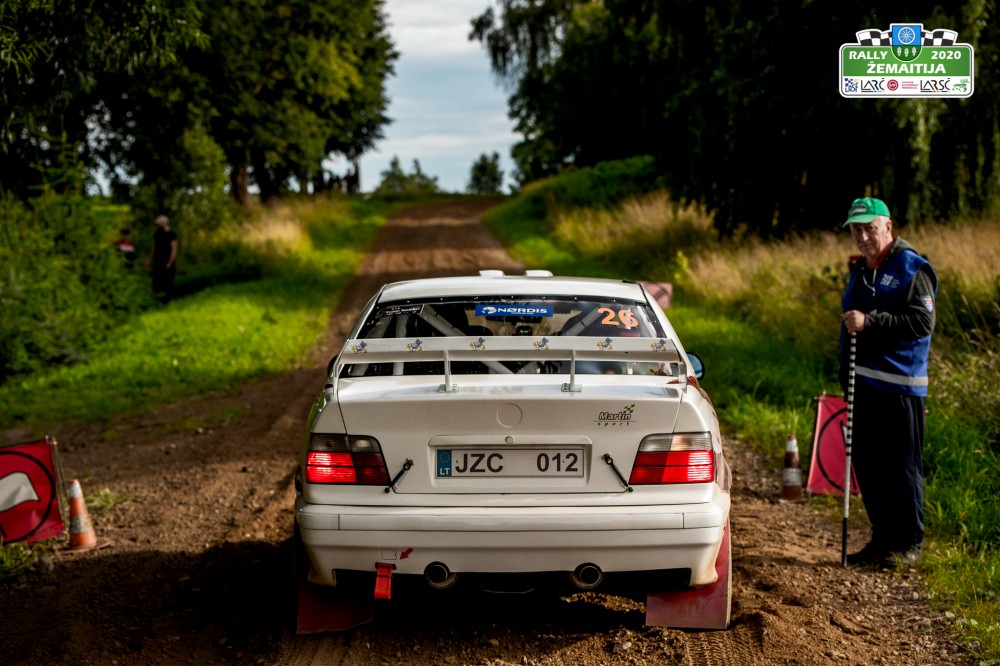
x,y
81,530
791,478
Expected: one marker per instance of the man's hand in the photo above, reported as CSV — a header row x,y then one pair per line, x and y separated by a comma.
x,y
854,320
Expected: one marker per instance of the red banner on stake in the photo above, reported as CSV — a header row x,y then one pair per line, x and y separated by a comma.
x,y
29,492
662,293
826,467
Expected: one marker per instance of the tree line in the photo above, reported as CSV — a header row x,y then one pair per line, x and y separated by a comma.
x,y
179,98
176,103
739,103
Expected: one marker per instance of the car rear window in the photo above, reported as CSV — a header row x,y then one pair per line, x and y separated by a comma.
x,y
507,316
511,316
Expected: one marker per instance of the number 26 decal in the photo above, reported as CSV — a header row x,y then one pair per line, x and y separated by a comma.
x,y
620,318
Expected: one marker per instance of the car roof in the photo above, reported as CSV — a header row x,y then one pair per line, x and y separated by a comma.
x,y
496,283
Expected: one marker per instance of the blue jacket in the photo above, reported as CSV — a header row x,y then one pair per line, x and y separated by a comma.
x,y
897,298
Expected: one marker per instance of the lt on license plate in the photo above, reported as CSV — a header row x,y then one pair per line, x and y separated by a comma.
x,y
480,462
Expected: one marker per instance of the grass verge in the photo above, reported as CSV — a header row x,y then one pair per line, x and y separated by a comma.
x,y
221,335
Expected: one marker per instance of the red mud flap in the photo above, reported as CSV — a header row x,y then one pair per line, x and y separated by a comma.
x,y
322,609
705,607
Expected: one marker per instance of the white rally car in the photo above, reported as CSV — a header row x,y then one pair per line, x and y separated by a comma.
x,y
529,425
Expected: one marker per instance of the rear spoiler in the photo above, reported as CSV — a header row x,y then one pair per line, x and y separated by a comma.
x,y
492,350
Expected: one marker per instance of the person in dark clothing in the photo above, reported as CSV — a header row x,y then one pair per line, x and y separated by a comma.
x,y
163,259
889,305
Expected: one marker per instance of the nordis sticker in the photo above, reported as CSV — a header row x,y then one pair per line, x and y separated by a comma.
x,y
514,311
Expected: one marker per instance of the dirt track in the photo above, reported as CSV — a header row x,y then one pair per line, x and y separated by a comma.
x,y
197,567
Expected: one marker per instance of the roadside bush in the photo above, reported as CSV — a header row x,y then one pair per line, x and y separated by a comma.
x,y
63,284
220,337
602,186
565,223
640,237
396,183
206,218
193,195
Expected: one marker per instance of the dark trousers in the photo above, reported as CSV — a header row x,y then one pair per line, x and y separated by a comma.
x,y
887,454
163,282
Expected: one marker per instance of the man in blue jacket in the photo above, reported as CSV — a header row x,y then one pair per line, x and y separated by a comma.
x,y
889,306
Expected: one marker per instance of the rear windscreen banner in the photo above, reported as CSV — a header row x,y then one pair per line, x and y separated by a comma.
x,y
826,466
29,492
501,310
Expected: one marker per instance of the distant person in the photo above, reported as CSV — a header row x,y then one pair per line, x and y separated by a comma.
x,y
889,306
336,183
126,246
163,259
352,179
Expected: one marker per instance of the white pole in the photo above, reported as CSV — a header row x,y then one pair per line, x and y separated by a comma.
x,y
848,436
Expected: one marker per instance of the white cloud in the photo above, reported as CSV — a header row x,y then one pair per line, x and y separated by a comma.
x,y
446,105
434,42
426,29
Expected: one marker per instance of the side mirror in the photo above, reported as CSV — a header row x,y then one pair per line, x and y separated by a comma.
x,y
697,366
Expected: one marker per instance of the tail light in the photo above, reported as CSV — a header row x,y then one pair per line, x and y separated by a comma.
x,y
676,458
345,459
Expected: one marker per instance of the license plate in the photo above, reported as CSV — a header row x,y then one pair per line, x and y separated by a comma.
x,y
481,462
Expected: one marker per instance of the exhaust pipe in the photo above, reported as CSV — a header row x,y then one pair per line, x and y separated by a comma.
x,y
439,576
586,576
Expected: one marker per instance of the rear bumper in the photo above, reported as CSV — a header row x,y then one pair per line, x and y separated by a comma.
x,y
511,540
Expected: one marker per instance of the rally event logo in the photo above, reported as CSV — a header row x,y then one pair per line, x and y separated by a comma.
x,y
906,60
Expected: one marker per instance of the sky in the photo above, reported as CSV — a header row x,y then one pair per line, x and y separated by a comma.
x,y
446,106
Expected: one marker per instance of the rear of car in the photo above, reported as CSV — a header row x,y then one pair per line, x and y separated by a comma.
x,y
500,424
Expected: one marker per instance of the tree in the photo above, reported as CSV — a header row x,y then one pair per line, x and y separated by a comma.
x,y
486,176
279,86
56,59
397,183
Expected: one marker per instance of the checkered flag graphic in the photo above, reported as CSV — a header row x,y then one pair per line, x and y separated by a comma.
x,y
874,37
939,38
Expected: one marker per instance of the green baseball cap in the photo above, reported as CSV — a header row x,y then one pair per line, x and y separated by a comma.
x,y
865,210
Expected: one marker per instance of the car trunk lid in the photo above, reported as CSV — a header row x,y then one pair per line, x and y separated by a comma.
x,y
512,432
